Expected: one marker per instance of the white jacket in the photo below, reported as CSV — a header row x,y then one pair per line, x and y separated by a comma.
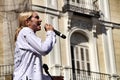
x,y
28,52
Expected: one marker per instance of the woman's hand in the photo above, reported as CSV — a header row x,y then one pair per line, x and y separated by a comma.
x,y
48,27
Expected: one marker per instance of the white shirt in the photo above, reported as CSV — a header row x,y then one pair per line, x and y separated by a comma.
x,y
28,52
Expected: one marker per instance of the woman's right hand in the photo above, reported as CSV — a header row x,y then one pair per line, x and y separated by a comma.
x,y
48,27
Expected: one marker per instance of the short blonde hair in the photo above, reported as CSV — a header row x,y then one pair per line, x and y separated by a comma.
x,y
22,21
23,17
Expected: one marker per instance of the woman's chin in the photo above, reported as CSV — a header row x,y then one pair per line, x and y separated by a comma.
x,y
39,27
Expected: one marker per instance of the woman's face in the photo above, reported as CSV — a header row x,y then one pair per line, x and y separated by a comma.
x,y
35,22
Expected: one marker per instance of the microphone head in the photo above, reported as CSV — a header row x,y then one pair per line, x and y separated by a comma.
x,y
45,66
63,36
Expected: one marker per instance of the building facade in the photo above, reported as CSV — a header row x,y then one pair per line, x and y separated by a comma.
x,y
91,50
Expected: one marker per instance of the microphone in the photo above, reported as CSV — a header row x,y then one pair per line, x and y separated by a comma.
x,y
46,70
59,34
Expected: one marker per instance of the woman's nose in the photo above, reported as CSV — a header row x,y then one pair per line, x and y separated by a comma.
x,y
40,20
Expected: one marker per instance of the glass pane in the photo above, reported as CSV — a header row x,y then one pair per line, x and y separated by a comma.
x,y
51,2
72,53
78,67
72,56
73,0
77,54
78,1
87,55
83,66
73,66
82,54
88,68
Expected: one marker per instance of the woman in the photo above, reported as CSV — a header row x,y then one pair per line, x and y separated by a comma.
x,y
29,48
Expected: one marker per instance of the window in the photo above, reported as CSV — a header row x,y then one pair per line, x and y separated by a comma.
x,y
79,55
52,4
73,0
52,20
78,1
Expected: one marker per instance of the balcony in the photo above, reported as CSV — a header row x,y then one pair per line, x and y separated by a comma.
x,y
86,7
89,75
77,74
6,72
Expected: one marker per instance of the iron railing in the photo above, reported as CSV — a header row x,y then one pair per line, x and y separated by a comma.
x,y
6,72
87,7
78,74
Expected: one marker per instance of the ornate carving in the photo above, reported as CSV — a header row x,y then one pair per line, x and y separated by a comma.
x,y
95,5
81,24
82,10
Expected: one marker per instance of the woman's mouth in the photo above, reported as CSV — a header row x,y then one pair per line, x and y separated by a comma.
x,y
38,24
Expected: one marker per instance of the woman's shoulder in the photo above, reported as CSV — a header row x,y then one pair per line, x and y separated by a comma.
x,y
26,30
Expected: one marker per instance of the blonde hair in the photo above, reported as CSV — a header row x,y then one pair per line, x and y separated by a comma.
x,y
23,17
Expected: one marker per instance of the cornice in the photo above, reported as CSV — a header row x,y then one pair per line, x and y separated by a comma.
x,y
46,10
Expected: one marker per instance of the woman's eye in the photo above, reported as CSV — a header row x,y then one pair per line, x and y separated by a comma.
x,y
37,17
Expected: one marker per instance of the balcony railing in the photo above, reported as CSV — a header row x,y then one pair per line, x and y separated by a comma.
x,y
88,7
77,74
6,72
89,75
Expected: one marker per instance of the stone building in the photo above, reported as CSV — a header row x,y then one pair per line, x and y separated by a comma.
x,y
91,50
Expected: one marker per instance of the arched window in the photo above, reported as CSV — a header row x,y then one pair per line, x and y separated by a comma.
x,y
79,54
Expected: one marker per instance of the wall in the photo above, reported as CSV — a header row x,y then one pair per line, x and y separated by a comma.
x,y
115,10
116,38
1,39
115,17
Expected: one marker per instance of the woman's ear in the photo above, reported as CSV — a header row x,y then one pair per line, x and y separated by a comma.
x,y
27,22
